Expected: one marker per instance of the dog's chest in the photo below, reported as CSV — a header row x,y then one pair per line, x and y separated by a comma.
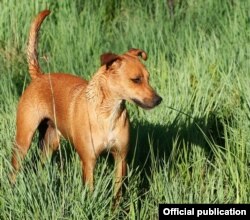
x,y
114,134
110,140
110,135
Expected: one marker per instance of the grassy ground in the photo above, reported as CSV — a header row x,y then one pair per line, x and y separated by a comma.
x,y
193,148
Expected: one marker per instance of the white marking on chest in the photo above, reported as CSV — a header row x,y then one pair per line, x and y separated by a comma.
x,y
111,137
110,141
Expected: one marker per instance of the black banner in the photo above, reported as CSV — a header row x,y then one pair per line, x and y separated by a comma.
x,y
201,211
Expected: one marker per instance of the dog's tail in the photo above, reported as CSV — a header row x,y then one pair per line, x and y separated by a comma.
x,y
32,56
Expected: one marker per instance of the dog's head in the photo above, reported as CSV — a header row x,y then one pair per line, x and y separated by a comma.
x,y
128,78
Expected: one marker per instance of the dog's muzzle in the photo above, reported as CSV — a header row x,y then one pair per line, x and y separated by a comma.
x,y
148,103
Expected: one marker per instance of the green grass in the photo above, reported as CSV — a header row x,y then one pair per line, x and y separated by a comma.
x,y
193,148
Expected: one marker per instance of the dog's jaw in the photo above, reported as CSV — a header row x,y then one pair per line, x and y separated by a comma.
x,y
149,104
140,104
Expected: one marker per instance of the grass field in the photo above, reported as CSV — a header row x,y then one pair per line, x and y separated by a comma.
x,y
193,148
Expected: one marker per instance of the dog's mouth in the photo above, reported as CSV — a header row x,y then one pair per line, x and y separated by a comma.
x,y
147,106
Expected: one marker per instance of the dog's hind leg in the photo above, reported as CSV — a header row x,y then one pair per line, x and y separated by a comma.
x,y
27,122
49,138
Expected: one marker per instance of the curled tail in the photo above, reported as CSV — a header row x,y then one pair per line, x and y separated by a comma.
x,y
32,56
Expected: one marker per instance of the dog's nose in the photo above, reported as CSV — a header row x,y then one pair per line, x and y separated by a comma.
x,y
157,100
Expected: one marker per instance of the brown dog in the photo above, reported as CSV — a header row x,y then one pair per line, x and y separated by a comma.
x,y
92,115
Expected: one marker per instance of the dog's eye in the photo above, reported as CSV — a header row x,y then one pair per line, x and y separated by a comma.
x,y
136,80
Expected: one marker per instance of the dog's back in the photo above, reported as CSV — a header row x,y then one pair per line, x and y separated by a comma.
x,y
49,95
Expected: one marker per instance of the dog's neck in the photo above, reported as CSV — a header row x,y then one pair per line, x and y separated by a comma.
x,y
105,103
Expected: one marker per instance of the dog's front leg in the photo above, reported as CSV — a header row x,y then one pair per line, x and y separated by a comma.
x,y
88,166
120,172
88,160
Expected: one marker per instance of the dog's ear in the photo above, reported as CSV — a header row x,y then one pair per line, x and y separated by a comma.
x,y
108,59
138,52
